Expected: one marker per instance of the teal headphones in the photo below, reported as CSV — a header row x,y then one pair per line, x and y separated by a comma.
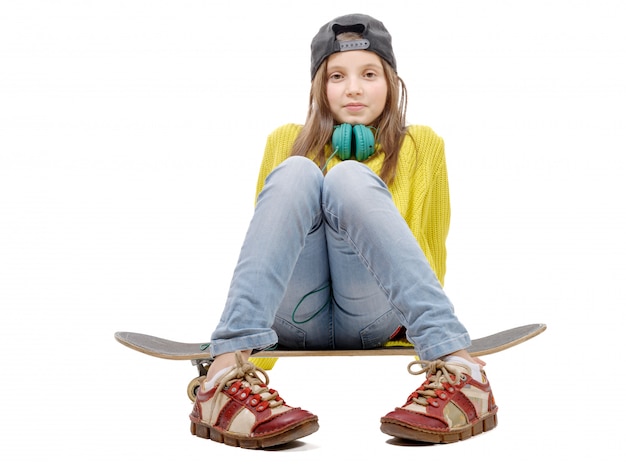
x,y
357,141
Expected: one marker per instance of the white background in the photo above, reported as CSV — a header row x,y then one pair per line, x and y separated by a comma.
x,y
130,137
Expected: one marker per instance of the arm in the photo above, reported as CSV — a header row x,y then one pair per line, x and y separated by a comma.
x,y
425,184
436,219
277,150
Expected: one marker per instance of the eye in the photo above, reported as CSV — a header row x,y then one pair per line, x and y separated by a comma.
x,y
370,74
335,76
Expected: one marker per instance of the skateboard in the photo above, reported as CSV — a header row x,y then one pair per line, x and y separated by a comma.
x,y
198,353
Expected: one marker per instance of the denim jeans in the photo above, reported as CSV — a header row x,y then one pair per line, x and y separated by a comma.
x,y
329,263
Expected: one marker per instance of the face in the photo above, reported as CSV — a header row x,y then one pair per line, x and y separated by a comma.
x,y
356,86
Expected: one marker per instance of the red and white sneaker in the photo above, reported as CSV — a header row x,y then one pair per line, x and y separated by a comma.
x,y
449,406
240,410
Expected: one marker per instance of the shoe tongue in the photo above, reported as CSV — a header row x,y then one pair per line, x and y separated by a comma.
x,y
458,365
458,368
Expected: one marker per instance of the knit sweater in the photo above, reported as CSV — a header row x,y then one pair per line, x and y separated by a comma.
x,y
419,190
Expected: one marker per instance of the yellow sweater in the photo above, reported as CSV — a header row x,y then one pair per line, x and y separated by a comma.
x,y
419,190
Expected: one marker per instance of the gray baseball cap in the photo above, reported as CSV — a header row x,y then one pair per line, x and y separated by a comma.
x,y
376,39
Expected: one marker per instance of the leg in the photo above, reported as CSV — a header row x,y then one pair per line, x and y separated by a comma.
x,y
287,209
358,206
454,403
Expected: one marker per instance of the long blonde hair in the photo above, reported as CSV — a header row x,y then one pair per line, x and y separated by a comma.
x,y
319,125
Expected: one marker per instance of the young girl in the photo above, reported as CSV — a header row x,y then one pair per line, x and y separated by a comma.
x,y
346,248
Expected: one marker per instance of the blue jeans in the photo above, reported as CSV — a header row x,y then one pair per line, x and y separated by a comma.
x,y
329,263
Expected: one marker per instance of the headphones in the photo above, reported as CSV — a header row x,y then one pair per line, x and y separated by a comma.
x,y
357,141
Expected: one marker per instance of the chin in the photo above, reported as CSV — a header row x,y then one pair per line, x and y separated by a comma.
x,y
355,121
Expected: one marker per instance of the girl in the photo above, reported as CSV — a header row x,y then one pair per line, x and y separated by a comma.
x,y
345,249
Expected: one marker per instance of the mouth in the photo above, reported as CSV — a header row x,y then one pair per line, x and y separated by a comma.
x,y
354,107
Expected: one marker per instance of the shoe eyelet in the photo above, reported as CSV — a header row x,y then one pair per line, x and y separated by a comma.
x,y
433,402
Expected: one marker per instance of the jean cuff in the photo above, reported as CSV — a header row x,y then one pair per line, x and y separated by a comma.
x,y
248,342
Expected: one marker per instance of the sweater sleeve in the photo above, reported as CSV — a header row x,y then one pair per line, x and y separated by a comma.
x,y
277,150
428,213
437,218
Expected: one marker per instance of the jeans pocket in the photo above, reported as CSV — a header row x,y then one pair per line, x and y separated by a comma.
x,y
379,331
289,336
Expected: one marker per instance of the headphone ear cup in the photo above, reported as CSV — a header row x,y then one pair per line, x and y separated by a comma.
x,y
364,143
342,141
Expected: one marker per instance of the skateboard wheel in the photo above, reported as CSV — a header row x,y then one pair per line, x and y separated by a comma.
x,y
193,386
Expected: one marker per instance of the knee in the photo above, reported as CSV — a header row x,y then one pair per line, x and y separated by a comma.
x,y
299,163
297,178
296,174
349,180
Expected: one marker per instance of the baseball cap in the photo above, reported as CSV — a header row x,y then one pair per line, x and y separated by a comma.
x,y
376,38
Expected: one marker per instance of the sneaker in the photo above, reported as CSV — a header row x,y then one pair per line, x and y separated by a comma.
x,y
240,410
449,406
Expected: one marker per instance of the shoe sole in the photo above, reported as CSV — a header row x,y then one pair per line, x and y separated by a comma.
x,y
403,430
285,436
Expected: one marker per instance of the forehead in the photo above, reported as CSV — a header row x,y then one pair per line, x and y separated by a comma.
x,y
354,58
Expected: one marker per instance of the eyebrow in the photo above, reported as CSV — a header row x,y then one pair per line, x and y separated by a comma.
x,y
365,66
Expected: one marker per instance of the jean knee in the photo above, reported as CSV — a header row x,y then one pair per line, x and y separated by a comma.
x,y
297,177
349,179
299,169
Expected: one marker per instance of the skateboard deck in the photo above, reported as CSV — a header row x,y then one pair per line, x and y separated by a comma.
x,y
169,349
198,353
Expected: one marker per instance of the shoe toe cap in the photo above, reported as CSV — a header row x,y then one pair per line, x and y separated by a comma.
x,y
290,419
413,419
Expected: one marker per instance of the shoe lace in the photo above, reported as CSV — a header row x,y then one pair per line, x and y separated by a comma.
x,y
441,377
249,379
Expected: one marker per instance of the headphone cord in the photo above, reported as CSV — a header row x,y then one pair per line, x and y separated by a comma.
x,y
329,158
293,315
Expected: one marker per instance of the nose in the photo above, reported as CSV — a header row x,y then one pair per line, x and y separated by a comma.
x,y
353,88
